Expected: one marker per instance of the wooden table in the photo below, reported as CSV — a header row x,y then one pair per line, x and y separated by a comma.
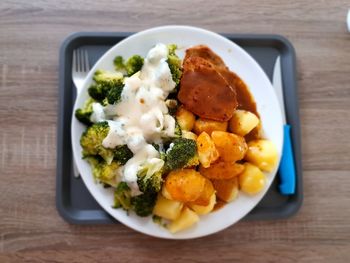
x,y
31,229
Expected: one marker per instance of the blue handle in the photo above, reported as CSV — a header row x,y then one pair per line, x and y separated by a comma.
x,y
287,168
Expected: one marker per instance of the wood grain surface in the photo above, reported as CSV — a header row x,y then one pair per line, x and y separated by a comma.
x,y
31,229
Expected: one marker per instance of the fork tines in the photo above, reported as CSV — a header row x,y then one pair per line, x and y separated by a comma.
x,y
80,60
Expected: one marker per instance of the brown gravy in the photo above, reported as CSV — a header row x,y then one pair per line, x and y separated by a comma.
x,y
245,100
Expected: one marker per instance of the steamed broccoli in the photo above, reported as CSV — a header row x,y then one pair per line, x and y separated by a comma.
x,y
181,153
149,177
132,65
103,172
98,91
84,114
104,82
119,64
174,63
122,196
142,204
104,76
122,154
91,141
178,131
114,94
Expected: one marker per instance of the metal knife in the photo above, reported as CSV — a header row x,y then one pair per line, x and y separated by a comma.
x,y
287,168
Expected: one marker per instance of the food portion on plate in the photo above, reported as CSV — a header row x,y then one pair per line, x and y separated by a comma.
x,y
176,139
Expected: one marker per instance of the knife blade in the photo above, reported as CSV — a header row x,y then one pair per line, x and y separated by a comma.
x,y
287,168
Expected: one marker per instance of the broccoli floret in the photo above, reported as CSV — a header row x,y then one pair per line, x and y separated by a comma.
x,y
194,161
104,76
152,184
122,154
119,64
143,204
122,196
98,91
115,93
181,153
174,63
132,65
104,82
178,131
149,177
84,114
91,141
103,172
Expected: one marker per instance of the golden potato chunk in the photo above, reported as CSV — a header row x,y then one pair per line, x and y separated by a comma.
x,y
206,209
252,180
226,190
189,135
207,152
186,219
168,209
165,193
243,122
184,185
208,126
204,198
231,147
222,170
185,119
262,153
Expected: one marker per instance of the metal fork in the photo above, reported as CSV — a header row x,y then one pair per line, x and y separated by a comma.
x,y
80,69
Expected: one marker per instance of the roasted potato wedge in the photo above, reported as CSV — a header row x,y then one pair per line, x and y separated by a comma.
x,y
208,126
168,209
185,185
207,152
226,190
231,147
222,170
204,198
202,210
252,180
243,122
186,219
262,153
185,119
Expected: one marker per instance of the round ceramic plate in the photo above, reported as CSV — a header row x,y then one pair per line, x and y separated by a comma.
x,y
239,62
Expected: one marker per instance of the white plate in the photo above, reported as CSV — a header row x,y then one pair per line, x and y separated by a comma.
x,y
239,62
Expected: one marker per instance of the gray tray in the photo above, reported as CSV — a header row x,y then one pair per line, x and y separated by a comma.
x,y
76,205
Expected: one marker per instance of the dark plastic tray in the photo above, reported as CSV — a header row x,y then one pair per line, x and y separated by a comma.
x,y
76,205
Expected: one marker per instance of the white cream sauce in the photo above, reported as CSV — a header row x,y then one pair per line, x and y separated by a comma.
x,y
97,113
141,117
